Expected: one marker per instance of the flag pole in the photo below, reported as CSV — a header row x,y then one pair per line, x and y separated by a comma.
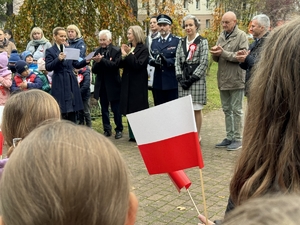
x,y
203,197
193,201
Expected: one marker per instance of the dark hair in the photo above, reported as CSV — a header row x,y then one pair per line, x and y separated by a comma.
x,y
8,31
153,17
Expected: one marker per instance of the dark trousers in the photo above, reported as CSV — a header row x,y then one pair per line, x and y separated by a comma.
x,y
71,116
114,105
85,114
163,96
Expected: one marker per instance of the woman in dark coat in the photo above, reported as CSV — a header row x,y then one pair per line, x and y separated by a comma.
x,y
65,87
134,61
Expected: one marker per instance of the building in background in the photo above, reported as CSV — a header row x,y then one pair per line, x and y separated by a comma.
x,y
199,8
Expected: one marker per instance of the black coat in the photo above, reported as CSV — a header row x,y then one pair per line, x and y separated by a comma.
x,y
108,73
251,59
65,88
134,89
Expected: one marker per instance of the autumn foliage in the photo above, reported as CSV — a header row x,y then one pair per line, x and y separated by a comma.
x,y
168,7
89,16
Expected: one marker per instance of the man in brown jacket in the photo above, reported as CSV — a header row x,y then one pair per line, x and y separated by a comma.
x,y
231,79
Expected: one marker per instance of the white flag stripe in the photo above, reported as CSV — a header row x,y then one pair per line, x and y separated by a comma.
x,y
164,121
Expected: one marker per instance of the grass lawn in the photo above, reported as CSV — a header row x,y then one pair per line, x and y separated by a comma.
x,y
213,95
213,101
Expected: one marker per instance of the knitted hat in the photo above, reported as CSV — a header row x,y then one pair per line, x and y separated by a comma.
x,y
21,66
41,64
14,56
3,64
25,54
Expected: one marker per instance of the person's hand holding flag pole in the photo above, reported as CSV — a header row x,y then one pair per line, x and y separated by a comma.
x,y
167,138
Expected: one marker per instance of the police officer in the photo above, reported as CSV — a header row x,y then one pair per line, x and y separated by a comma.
x,y
163,50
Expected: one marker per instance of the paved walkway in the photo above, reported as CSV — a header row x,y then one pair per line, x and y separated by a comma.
x,y
159,199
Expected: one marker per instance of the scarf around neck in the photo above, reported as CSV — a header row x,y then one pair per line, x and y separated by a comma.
x,y
41,41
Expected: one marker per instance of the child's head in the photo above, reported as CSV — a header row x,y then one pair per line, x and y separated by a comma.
x,y
62,173
267,210
22,68
25,110
27,57
14,57
3,60
3,64
41,66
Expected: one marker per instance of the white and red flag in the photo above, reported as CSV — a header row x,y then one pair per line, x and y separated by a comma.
x,y
167,136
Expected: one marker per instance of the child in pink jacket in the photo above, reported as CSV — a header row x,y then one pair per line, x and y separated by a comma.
x,y
5,78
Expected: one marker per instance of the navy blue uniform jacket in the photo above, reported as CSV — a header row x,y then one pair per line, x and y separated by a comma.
x,y
164,76
65,88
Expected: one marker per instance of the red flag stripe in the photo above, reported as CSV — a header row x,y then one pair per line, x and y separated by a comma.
x,y
172,154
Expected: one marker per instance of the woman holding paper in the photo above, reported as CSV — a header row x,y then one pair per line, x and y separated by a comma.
x,y
191,64
65,87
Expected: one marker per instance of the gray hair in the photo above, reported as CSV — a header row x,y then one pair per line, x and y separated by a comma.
x,y
105,32
196,21
263,20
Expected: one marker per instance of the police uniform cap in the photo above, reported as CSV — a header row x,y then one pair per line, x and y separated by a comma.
x,y
162,18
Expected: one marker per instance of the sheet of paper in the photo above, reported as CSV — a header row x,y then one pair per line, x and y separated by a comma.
x,y
150,70
72,53
89,56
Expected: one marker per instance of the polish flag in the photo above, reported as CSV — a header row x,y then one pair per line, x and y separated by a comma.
x,y
180,180
167,136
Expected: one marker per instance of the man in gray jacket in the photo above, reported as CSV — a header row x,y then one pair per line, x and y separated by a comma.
x,y
231,79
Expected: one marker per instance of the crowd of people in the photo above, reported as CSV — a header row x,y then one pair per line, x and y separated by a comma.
x,y
44,182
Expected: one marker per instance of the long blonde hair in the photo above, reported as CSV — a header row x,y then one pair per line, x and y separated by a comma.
x,y
65,174
270,159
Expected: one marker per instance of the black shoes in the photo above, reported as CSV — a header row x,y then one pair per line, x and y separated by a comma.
x,y
132,140
118,135
107,133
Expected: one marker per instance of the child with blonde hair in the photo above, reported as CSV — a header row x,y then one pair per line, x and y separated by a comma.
x,y
66,174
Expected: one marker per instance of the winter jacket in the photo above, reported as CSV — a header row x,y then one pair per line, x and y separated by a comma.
x,y
78,43
84,80
5,84
134,87
230,75
38,50
7,46
65,88
46,86
255,49
33,82
108,73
